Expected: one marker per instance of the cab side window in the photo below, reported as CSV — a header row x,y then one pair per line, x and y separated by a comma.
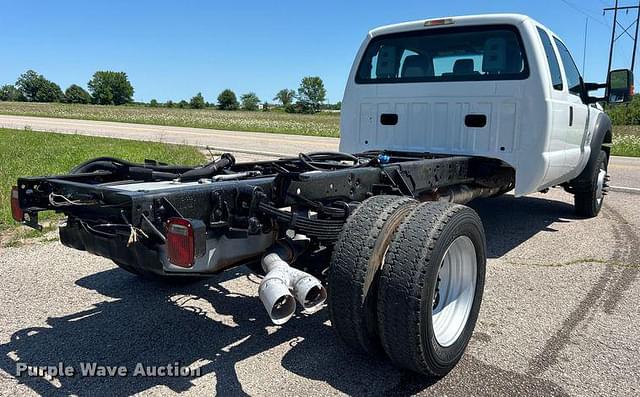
x,y
552,60
570,69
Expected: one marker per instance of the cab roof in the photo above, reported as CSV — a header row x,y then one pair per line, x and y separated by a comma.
x,y
468,20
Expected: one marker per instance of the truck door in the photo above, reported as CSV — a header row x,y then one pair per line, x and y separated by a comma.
x,y
559,115
578,112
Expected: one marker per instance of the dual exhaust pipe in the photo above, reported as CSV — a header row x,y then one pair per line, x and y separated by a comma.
x,y
283,285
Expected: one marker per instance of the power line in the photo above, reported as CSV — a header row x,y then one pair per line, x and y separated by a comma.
x,y
586,13
588,16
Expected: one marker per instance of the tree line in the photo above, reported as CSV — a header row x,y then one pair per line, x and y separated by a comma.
x,y
105,88
114,88
309,98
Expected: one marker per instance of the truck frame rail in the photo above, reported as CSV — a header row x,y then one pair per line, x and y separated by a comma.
x,y
120,210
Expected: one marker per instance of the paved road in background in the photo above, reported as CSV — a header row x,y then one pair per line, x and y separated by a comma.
x,y
560,316
232,141
247,145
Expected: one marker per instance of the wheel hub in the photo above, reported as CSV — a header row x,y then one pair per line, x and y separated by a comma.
x,y
454,291
436,297
602,185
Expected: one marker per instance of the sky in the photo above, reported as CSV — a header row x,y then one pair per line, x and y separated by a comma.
x,y
174,49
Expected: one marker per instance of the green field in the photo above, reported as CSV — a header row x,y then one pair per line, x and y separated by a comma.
x,y
626,138
320,124
28,153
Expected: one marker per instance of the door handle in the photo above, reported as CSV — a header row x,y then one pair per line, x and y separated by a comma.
x,y
570,116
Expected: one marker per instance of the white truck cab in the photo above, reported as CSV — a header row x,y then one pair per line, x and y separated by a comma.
x,y
499,86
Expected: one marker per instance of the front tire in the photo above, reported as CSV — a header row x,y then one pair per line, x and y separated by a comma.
x,y
431,287
588,202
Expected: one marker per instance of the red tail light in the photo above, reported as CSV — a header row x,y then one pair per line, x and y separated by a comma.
x,y
16,211
180,242
439,22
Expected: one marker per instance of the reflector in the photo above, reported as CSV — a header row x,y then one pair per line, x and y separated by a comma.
x,y
16,211
180,242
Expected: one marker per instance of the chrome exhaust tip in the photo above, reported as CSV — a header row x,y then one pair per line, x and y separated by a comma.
x,y
310,293
277,300
283,285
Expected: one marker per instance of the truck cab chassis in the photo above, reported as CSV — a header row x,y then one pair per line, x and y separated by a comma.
x,y
436,113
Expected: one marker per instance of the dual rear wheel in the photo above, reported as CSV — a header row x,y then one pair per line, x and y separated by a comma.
x,y
406,281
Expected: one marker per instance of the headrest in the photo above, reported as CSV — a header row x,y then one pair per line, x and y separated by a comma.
x,y
386,64
463,66
494,59
417,66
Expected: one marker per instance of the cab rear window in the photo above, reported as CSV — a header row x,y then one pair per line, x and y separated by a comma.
x,y
445,54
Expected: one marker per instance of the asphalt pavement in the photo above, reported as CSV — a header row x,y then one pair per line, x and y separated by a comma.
x,y
560,316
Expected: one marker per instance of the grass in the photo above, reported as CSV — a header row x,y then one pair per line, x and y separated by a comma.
x,y
321,124
22,235
29,153
626,140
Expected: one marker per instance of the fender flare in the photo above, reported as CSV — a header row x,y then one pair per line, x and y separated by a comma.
x,y
601,140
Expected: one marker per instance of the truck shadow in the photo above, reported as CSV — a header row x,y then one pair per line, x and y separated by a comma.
x,y
154,324
510,221
143,322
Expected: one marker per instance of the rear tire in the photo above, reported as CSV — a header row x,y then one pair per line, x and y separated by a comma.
x,y
431,287
353,273
588,202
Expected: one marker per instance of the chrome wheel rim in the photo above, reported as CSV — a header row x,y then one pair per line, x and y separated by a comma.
x,y
454,291
600,185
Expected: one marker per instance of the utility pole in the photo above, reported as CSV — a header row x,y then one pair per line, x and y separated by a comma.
x,y
635,39
613,34
615,10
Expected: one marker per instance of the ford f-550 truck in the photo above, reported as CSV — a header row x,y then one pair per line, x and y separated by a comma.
x,y
435,113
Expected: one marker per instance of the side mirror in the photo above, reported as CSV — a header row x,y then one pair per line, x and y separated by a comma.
x,y
620,86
